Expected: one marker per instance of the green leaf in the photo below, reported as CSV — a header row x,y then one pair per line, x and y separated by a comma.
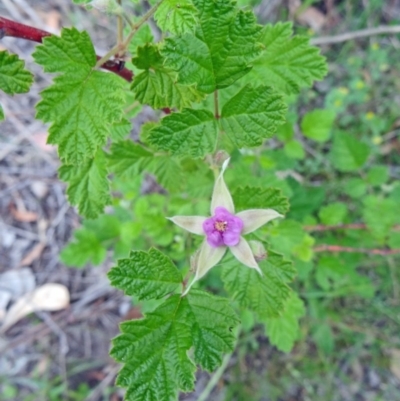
x,y
145,275
176,16
82,103
334,213
260,198
214,61
355,187
189,133
88,186
294,150
348,153
378,175
167,171
120,130
324,339
317,124
253,115
13,76
85,248
288,63
141,37
154,350
266,295
1,113
157,86
284,330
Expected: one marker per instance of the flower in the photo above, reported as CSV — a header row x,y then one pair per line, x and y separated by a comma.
x,y
223,230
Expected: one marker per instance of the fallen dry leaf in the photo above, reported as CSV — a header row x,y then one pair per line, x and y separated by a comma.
x,y
33,254
24,216
48,297
313,18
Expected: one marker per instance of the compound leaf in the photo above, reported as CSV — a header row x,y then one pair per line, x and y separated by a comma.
x,y
146,275
267,294
176,16
220,50
154,350
14,78
88,186
189,133
260,198
82,103
252,115
288,63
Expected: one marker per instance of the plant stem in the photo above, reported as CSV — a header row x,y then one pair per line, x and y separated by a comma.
x,y
369,251
352,226
216,106
120,27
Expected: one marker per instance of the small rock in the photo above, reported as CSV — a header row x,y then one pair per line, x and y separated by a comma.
x,y
39,189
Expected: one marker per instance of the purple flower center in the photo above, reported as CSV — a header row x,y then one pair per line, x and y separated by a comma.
x,y
223,229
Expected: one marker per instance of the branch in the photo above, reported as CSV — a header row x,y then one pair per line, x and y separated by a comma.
x,y
353,226
17,30
380,30
369,251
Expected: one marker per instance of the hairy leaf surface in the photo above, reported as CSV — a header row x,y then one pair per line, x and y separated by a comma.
x,y
176,16
267,294
154,350
288,62
14,78
82,103
146,275
252,115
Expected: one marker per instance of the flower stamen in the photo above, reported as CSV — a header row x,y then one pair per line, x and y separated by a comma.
x,y
221,226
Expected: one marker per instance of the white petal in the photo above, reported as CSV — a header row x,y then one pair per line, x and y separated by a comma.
x,y
193,224
255,218
242,252
207,258
221,195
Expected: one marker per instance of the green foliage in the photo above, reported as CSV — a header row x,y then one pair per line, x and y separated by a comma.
x,y
260,198
317,124
149,275
334,213
212,61
157,86
266,295
88,186
1,113
82,103
14,78
176,16
348,153
284,330
252,115
377,175
287,63
191,132
154,350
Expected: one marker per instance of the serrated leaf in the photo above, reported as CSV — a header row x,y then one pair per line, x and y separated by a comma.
x,y
214,61
176,16
154,350
157,86
85,248
260,198
88,186
317,124
284,330
120,129
146,275
267,294
189,133
288,63
82,103
253,115
13,76
167,171
141,37
348,153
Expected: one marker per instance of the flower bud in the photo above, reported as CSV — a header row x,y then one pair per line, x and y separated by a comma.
x,y
258,250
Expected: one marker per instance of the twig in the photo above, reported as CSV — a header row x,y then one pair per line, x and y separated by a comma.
x,y
380,30
99,389
369,251
17,30
353,226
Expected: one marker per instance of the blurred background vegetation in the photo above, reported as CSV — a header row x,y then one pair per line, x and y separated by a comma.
x,y
337,159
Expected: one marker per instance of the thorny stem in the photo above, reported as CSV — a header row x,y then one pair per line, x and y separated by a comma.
x,y
17,30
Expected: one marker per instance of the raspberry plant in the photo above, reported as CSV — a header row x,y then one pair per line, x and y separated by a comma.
x,y
221,83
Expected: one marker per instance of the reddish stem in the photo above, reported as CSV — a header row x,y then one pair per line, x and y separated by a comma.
x,y
352,226
17,30
369,251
